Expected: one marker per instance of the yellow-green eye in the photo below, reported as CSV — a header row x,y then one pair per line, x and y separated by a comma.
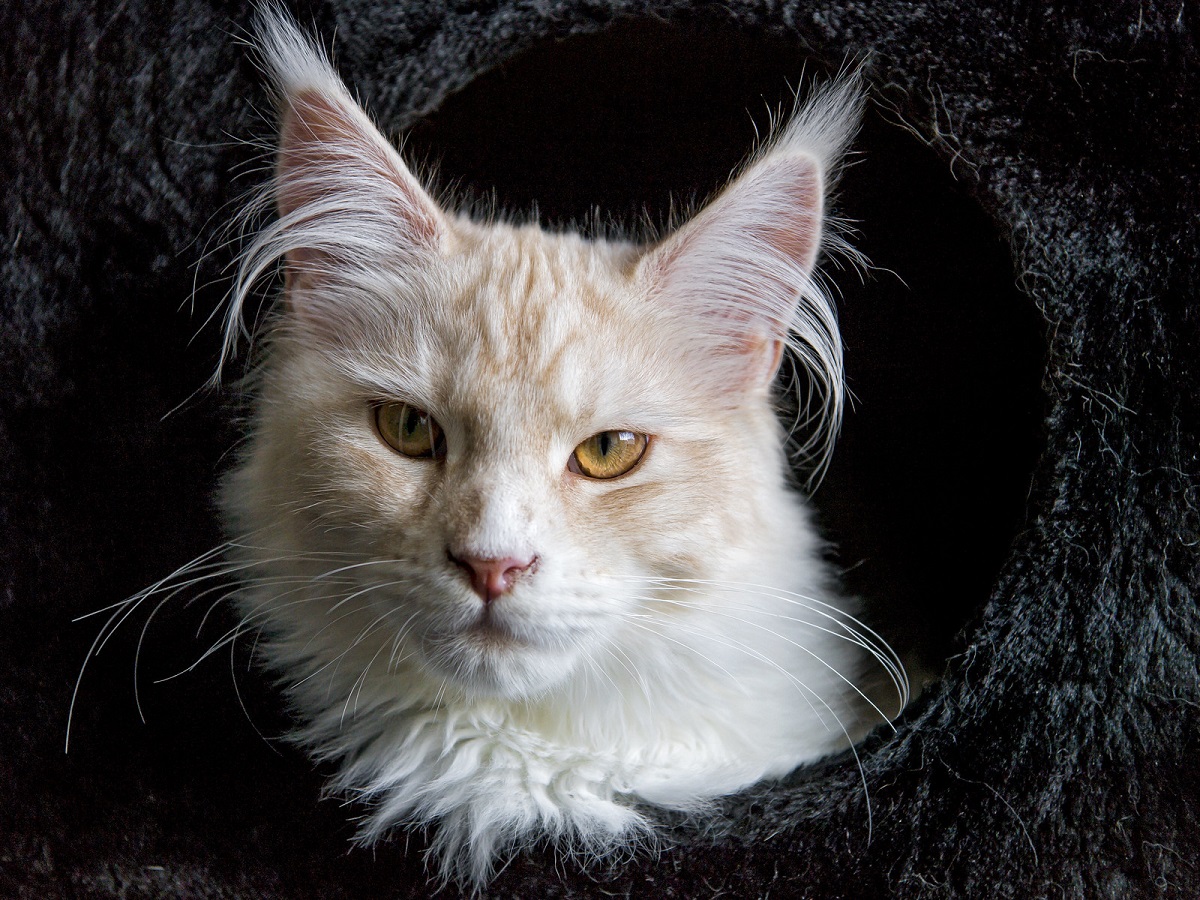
x,y
409,430
608,454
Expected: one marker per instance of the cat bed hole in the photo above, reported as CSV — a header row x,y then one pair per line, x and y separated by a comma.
x,y
943,353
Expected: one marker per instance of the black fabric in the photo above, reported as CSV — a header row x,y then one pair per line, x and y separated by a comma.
x,y
1059,754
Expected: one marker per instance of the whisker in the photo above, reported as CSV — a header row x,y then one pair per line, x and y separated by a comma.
x,y
237,690
336,661
805,691
262,611
854,630
234,590
219,563
629,666
371,587
723,641
883,655
121,612
401,633
356,688
854,687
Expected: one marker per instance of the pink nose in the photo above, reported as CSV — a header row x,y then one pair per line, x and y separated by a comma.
x,y
492,578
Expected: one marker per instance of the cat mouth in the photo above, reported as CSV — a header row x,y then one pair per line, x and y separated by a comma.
x,y
489,632
494,659
493,630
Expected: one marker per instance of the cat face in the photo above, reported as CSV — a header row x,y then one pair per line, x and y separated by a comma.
x,y
521,351
443,402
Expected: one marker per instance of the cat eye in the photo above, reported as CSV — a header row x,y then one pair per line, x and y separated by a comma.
x,y
608,454
409,430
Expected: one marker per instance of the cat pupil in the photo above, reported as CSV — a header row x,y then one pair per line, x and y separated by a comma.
x,y
412,422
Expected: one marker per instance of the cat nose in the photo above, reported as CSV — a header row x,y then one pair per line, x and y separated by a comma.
x,y
492,578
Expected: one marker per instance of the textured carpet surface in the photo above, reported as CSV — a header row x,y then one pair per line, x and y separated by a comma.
x,y
1059,756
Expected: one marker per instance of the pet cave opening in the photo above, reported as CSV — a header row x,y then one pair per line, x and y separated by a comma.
x,y
944,354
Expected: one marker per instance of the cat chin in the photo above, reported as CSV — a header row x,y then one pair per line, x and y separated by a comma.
x,y
494,665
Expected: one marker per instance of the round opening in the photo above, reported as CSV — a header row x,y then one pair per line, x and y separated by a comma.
x,y
943,353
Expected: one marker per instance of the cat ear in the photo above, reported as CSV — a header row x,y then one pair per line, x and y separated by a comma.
x,y
335,172
739,267
340,188
741,273
348,208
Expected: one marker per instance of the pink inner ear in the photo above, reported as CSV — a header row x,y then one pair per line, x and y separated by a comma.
x,y
798,237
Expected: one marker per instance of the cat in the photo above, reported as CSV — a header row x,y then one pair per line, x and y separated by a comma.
x,y
515,517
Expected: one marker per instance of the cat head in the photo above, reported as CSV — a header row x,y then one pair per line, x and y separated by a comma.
x,y
503,441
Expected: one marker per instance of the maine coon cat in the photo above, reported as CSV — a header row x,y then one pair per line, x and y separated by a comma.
x,y
514,520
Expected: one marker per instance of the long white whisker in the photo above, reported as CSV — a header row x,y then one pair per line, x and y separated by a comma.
x,y
262,611
121,612
805,691
722,641
881,651
371,587
207,566
854,630
237,690
628,665
723,612
231,591
402,632
826,609
336,661
356,688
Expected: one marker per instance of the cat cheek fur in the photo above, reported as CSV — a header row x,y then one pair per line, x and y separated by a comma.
x,y
676,639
